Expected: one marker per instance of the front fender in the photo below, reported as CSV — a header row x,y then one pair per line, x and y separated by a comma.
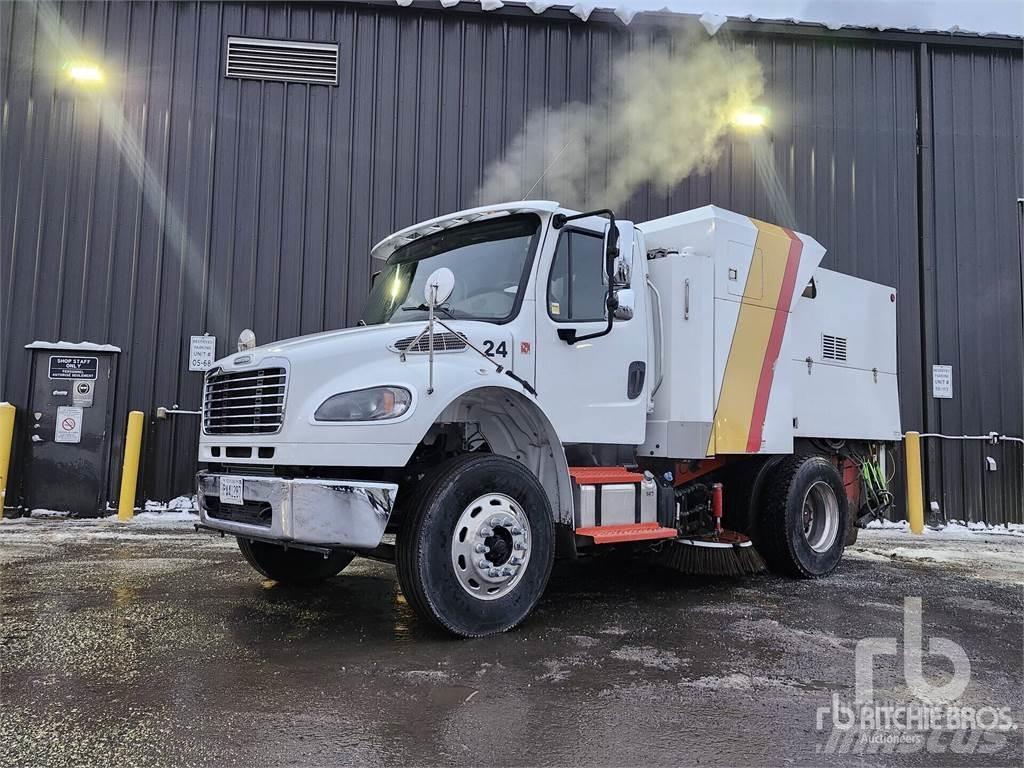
x,y
515,425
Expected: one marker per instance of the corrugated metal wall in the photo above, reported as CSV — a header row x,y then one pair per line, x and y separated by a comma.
x,y
175,201
977,152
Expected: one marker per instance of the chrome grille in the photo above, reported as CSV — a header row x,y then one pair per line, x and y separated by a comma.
x,y
443,342
244,402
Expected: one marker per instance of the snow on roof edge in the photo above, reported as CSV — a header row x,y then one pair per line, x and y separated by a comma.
x,y
1004,17
80,346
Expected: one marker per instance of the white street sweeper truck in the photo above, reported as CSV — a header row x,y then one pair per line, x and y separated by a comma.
x,y
528,382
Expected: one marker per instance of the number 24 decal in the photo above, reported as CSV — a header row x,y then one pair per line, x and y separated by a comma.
x,y
495,351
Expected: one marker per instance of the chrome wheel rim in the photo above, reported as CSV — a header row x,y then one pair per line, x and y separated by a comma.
x,y
491,546
820,516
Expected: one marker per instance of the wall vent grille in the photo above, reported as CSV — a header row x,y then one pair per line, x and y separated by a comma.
x,y
833,347
293,62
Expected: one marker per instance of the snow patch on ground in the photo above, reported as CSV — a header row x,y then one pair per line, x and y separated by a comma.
x,y
811,640
86,526
177,503
425,675
955,529
994,552
737,682
48,514
559,670
177,518
938,555
649,657
145,526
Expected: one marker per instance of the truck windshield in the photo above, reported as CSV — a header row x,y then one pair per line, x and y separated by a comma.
x,y
491,262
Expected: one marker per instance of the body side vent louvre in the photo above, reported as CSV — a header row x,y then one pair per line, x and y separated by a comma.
x,y
833,347
287,60
443,342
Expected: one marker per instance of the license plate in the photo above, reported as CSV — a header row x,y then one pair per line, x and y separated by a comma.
x,y
231,490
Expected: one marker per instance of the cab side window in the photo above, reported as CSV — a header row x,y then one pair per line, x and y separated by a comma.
x,y
576,286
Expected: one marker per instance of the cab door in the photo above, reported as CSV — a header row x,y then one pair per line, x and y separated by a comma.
x,y
595,390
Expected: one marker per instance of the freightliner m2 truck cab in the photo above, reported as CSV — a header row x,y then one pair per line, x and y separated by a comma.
x,y
527,381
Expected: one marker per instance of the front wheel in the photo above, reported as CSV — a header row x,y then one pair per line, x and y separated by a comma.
x,y
802,527
293,566
476,550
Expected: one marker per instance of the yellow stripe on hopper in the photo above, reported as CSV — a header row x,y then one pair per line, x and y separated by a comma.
x,y
750,340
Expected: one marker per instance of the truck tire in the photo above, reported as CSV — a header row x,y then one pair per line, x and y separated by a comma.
x,y
293,566
852,532
802,524
475,552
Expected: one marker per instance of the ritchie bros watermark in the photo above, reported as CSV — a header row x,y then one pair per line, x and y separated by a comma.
x,y
933,719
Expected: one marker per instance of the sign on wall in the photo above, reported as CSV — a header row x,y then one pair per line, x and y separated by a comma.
x,y
73,367
69,425
202,351
942,382
81,394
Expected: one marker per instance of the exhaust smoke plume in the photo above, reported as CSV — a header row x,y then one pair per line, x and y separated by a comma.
x,y
661,118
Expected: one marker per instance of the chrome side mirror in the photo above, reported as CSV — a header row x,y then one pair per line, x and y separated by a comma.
x,y
622,274
625,301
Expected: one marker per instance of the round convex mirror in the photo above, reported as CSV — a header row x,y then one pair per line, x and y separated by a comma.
x,y
439,286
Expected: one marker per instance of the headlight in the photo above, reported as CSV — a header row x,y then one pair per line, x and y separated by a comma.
x,y
374,404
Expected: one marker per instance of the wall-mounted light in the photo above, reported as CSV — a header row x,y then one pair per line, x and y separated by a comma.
x,y
84,73
751,118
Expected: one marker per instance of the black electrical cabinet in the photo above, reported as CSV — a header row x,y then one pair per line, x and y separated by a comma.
x,y
69,427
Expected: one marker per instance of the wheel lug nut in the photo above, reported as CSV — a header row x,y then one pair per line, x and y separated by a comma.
x,y
506,571
515,560
519,545
517,531
494,572
482,549
483,564
485,532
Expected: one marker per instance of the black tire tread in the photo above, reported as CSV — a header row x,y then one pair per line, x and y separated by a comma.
x,y
407,550
852,532
774,543
405,553
310,572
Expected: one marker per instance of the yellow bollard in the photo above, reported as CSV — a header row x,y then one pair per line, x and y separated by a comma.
x,y
6,438
130,468
915,488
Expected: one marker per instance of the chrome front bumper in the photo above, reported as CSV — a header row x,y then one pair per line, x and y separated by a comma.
x,y
342,513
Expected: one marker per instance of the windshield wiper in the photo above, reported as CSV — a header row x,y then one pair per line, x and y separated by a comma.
x,y
425,308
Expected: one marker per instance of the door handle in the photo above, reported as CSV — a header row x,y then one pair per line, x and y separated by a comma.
x,y
635,379
686,299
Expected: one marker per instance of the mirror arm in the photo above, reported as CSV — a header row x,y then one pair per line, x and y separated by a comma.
x,y
559,220
568,335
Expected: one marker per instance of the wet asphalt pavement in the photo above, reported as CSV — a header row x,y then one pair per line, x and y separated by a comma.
x,y
161,647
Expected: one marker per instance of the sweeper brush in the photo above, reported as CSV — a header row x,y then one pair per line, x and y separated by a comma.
x,y
722,554
716,553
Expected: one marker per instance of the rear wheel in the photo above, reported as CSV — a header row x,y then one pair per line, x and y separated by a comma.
x,y
293,566
852,530
803,522
476,550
